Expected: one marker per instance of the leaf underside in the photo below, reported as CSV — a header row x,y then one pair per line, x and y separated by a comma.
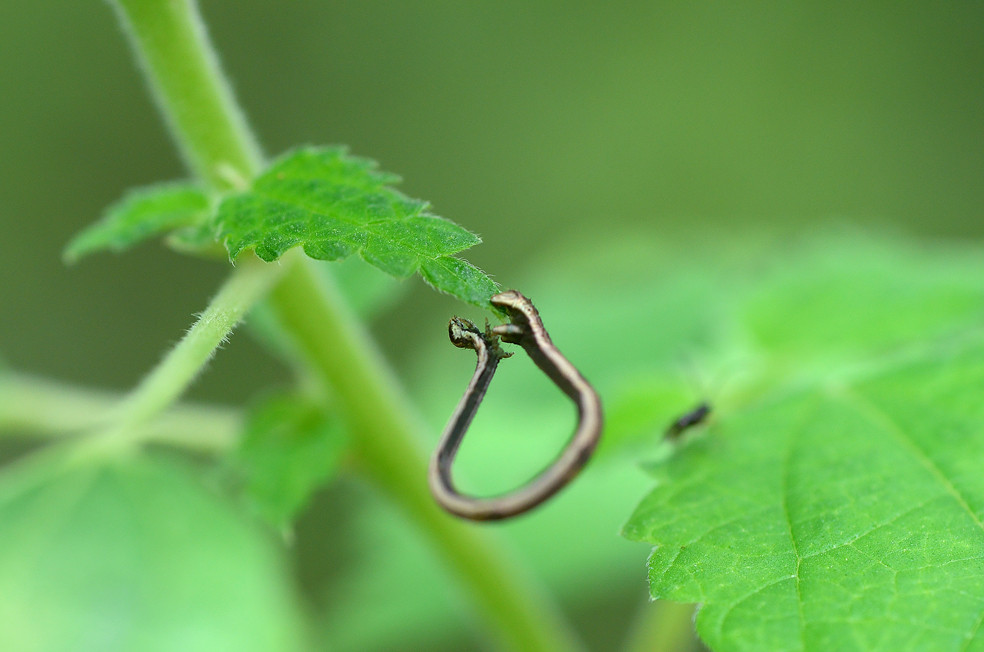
x,y
335,205
842,509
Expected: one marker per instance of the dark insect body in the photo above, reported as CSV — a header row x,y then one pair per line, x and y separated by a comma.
x,y
685,421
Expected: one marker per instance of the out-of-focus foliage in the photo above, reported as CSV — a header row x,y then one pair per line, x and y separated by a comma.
x,y
136,555
529,124
288,449
522,123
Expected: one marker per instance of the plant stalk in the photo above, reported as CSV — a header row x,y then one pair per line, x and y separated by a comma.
x,y
186,80
663,626
48,409
214,138
126,426
182,364
386,435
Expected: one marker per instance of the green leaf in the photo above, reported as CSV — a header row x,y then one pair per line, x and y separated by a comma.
x,y
841,517
335,205
835,502
135,555
142,214
289,449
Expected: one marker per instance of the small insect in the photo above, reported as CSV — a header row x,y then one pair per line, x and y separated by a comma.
x,y
688,420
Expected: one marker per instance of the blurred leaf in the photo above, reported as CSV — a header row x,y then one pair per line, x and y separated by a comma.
x,y
288,450
143,213
838,297
335,205
390,592
397,594
135,555
643,411
725,320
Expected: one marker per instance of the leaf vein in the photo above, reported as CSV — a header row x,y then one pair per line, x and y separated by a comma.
x,y
873,528
786,465
878,417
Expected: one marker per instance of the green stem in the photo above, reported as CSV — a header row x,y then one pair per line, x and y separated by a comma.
x,y
44,408
125,427
387,449
663,626
197,105
169,379
185,78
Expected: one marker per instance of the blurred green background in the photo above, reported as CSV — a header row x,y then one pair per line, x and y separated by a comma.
x,y
533,124
525,122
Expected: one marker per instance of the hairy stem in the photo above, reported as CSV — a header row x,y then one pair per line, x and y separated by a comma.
x,y
186,80
126,425
215,140
43,408
179,367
